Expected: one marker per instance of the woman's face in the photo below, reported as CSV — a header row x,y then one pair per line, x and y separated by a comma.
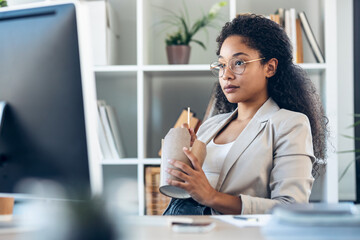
x,y
251,85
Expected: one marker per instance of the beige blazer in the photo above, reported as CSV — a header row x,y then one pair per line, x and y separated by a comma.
x,y
270,162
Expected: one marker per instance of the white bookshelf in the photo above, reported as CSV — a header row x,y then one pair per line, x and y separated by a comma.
x,y
149,94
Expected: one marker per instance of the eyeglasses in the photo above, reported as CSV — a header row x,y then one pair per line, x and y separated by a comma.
x,y
236,65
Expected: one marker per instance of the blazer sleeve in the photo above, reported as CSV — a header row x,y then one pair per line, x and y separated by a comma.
x,y
290,179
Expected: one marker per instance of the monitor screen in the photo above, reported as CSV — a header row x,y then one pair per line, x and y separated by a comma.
x,y
43,133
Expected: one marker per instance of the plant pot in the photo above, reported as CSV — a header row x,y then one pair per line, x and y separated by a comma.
x,y
178,54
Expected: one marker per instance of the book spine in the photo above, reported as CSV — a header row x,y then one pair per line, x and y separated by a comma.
x,y
311,38
299,43
281,13
108,133
104,145
115,130
293,32
287,24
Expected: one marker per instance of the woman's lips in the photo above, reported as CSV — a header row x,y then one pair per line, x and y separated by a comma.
x,y
230,88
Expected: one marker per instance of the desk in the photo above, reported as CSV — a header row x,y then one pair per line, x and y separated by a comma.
x,y
157,228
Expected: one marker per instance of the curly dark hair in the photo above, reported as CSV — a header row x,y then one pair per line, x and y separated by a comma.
x,y
290,87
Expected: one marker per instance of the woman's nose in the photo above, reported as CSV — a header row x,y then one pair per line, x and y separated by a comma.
x,y
228,74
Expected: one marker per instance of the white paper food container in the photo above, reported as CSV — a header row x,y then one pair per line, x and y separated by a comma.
x,y
174,141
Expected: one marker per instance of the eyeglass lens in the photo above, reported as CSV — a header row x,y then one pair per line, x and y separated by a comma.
x,y
236,65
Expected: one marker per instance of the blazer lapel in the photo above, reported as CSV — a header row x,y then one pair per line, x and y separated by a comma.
x,y
217,128
246,137
241,143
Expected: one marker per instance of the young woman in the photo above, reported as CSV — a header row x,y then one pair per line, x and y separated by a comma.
x,y
265,146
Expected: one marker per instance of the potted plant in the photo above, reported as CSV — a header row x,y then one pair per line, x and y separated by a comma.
x,y
3,3
177,43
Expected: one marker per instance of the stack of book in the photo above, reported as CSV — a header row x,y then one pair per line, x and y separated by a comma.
x,y
292,24
156,202
109,132
314,221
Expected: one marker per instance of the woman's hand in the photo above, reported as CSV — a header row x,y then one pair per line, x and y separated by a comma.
x,y
193,179
192,133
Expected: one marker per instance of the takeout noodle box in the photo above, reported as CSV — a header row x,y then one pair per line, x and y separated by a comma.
x,y
174,141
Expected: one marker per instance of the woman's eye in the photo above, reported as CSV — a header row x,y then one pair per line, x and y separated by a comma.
x,y
221,65
239,63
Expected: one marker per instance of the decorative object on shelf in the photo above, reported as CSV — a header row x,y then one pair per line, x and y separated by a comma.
x,y
156,202
177,44
3,3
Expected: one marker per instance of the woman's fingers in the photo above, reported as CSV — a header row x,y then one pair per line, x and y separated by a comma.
x,y
185,125
185,168
193,159
177,183
178,174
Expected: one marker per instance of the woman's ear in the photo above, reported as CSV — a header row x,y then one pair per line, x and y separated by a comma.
x,y
271,67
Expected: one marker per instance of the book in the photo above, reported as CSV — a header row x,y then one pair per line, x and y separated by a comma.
x,y
319,56
115,130
108,133
104,145
281,13
275,18
299,43
287,24
292,13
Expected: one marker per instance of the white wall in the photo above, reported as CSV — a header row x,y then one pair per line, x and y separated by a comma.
x,y
347,190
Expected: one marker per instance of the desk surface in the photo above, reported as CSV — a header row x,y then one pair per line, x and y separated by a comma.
x,y
157,228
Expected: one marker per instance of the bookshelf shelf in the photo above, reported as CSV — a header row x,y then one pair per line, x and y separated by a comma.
x,y
313,66
177,68
121,161
149,94
116,68
152,161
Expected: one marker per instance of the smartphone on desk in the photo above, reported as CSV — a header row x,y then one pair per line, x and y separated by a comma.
x,y
192,227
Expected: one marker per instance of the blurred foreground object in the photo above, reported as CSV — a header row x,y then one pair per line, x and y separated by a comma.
x,y
314,221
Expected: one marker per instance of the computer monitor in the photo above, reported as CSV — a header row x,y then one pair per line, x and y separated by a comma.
x,y
49,123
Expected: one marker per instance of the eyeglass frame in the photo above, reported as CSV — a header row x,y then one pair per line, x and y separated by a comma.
x,y
229,67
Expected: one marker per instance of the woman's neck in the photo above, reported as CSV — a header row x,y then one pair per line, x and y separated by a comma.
x,y
246,110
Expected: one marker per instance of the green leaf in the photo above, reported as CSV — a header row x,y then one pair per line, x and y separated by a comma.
x,y
345,170
350,151
357,123
198,42
187,18
3,3
214,10
186,31
351,137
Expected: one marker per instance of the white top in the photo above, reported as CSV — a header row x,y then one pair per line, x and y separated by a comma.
x,y
216,154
